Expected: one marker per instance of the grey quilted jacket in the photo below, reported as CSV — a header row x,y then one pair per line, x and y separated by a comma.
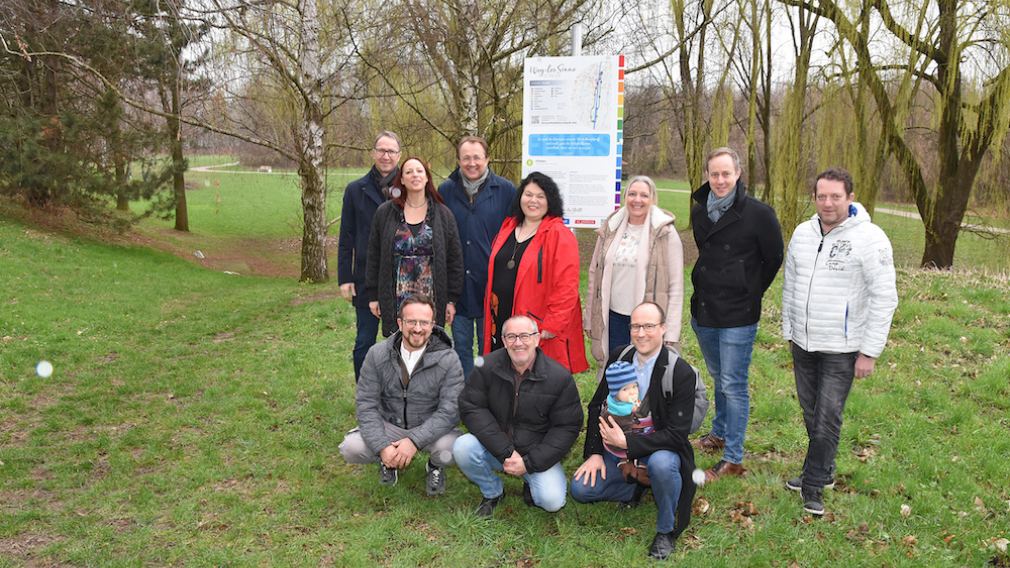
x,y
426,406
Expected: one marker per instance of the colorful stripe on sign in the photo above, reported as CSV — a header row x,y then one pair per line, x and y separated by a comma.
x,y
620,130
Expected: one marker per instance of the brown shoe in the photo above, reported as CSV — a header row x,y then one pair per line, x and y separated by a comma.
x,y
709,443
724,468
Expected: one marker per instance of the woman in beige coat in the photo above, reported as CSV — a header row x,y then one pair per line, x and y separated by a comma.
x,y
638,257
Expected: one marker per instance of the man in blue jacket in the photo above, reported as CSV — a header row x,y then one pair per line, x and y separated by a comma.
x,y
361,198
479,200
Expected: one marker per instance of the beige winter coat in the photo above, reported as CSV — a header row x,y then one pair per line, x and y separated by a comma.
x,y
660,273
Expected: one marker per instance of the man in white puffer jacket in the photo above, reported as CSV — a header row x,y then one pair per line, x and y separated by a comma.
x,y
838,299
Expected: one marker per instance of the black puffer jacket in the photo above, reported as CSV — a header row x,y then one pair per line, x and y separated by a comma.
x,y
738,258
541,421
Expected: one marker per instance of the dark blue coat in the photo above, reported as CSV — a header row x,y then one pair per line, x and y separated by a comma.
x,y
361,198
478,223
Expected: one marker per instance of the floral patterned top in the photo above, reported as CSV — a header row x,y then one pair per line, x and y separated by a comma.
x,y
413,253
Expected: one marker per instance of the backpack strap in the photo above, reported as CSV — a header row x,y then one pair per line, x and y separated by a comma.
x,y
668,375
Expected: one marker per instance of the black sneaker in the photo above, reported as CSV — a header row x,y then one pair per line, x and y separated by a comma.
x,y
662,546
486,508
528,495
813,501
387,475
796,484
435,481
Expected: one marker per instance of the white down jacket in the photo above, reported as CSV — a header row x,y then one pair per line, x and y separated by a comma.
x,y
839,293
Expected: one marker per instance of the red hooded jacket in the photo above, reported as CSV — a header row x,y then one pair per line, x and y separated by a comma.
x,y
547,290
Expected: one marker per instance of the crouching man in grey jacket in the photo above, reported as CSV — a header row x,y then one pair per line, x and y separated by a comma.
x,y
407,399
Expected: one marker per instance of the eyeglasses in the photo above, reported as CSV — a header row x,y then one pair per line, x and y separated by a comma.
x,y
385,152
424,324
472,159
524,337
648,327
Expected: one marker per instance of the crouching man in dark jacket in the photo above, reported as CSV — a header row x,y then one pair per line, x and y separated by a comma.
x,y
665,451
523,412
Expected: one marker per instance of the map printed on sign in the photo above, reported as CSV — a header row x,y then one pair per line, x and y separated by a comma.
x,y
573,115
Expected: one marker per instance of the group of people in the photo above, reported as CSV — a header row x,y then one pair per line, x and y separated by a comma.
x,y
488,260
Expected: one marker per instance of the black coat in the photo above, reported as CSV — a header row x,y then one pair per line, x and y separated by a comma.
x,y
447,264
672,420
541,421
738,258
361,198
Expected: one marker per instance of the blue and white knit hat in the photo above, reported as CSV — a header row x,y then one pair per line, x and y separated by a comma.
x,y
619,374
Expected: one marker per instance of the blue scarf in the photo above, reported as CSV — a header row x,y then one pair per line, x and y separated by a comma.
x,y
618,408
719,205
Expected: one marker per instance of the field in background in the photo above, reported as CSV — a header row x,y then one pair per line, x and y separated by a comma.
x,y
193,417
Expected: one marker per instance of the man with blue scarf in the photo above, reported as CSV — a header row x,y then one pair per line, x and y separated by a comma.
x,y
739,253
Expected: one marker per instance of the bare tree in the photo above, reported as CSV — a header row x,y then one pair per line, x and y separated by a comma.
x,y
469,53
292,58
702,105
789,151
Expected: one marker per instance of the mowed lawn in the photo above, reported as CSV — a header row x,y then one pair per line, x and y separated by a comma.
x,y
193,418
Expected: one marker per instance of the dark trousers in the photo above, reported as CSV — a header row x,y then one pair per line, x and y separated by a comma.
x,y
823,381
618,330
368,328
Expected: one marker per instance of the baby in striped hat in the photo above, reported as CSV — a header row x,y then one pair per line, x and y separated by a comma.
x,y
623,404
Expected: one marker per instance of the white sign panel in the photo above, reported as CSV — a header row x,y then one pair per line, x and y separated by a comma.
x,y
573,121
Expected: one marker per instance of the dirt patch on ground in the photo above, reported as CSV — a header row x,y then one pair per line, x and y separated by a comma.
x,y
27,548
318,297
244,256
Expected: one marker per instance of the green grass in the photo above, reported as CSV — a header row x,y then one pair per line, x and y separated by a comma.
x,y
194,418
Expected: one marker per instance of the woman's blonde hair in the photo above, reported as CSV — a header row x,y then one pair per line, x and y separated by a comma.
x,y
643,179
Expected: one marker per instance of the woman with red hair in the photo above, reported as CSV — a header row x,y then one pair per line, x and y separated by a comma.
x,y
413,249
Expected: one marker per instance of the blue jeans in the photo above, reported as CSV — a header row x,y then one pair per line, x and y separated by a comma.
x,y
664,474
618,330
727,353
368,328
823,382
549,487
462,340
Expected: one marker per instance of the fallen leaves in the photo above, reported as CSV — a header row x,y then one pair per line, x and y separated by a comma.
x,y
743,513
859,533
864,453
1000,544
980,506
701,506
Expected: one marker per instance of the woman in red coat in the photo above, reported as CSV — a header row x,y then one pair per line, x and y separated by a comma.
x,y
534,271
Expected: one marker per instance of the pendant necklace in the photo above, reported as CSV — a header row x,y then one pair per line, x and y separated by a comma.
x,y
511,264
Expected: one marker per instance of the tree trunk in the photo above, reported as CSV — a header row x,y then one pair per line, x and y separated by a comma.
x,y
178,160
941,239
122,198
314,263
311,149
766,110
